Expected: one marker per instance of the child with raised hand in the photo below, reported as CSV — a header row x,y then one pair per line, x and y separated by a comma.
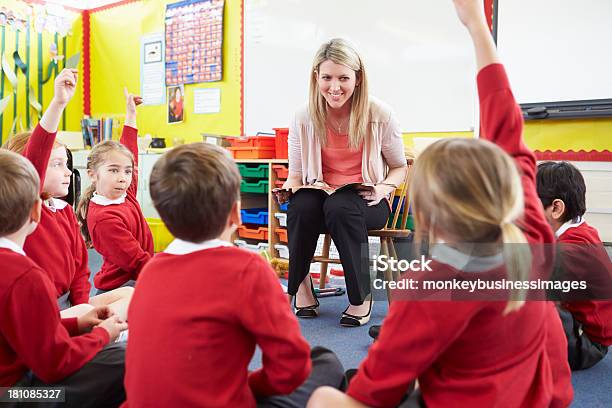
x,y
587,317
37,347
110,216
225,301
57,245
473,352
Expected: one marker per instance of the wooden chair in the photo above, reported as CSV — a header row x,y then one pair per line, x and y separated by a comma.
x,y
386,235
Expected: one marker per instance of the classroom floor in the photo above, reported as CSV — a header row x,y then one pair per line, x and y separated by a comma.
x,y
351,346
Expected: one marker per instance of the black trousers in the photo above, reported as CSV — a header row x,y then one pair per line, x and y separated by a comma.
x,y
99,383
582,352
326,370
347,218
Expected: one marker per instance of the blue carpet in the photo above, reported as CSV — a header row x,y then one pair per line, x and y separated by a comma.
x,y
351,346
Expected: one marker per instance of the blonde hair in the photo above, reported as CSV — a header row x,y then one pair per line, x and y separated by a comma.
x,y
19,190
18,142
96,158
341,52
471,190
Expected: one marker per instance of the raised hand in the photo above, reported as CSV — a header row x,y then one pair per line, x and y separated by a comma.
x,y
65,85
471,13
131,101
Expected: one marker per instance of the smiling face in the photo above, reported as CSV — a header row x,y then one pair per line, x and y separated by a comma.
x,y
57,179
113,177
336,83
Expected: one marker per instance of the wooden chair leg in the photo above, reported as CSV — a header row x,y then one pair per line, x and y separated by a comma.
x,y
393,254
324,265
384,250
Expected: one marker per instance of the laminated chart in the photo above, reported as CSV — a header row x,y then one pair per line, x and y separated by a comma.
x,y
194,41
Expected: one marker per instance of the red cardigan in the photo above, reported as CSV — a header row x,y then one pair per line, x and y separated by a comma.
x,y
57,245
467,353
119,232
195,320
583,253
32,336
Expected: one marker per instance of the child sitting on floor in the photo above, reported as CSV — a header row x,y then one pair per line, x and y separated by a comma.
x,y
57,245
110,215
224,302
37,347
587,321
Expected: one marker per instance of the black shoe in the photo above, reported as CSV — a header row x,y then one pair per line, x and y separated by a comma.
x,y
349,320
374,331
307,311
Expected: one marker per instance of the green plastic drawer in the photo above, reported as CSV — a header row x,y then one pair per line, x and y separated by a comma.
x,y
259,171
260,186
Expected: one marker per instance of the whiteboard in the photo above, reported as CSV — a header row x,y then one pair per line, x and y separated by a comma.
x,y
418,57
556,50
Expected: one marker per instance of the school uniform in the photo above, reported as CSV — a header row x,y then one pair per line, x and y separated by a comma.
x,y
469,353
57,245
119,231
196,316
36,347
588,321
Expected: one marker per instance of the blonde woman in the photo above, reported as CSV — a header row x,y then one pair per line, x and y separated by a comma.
x,y
474,353
342,136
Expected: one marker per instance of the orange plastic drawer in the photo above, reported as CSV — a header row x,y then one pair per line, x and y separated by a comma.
x,y
252,152
255,233
282,172
282,234
268,142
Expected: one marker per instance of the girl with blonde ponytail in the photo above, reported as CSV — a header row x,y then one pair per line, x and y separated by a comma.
x,y
111,218
476,201
57,245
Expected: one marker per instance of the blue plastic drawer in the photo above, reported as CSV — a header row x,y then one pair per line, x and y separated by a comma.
x,y
257,216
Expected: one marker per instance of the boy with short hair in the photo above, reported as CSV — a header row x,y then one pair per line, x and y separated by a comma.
x,y
587,315
225,301
36,347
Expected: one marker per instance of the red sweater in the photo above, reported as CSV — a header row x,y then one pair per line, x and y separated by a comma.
x,y
32,336
119,232
194,322
582,251
469,353
57,245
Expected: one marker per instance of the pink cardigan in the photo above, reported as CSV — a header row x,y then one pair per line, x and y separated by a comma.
x,y
382,149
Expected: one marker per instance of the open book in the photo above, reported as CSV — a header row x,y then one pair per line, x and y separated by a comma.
x,y
331,190
284,194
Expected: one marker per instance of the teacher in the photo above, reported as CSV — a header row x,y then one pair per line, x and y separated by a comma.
x,y
342,136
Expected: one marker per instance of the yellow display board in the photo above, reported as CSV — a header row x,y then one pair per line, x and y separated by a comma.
x,y
29,48
115,63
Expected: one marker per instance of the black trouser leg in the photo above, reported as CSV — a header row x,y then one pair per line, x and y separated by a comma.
x,y
304,225
99,383
326,370
582,352
348,219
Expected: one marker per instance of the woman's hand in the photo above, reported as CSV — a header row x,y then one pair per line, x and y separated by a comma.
x,y
373,194
282,195
470,12
64,86
93,318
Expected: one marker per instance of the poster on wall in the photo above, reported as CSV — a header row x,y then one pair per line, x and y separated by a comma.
x,y
152,69
194,41
176,104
